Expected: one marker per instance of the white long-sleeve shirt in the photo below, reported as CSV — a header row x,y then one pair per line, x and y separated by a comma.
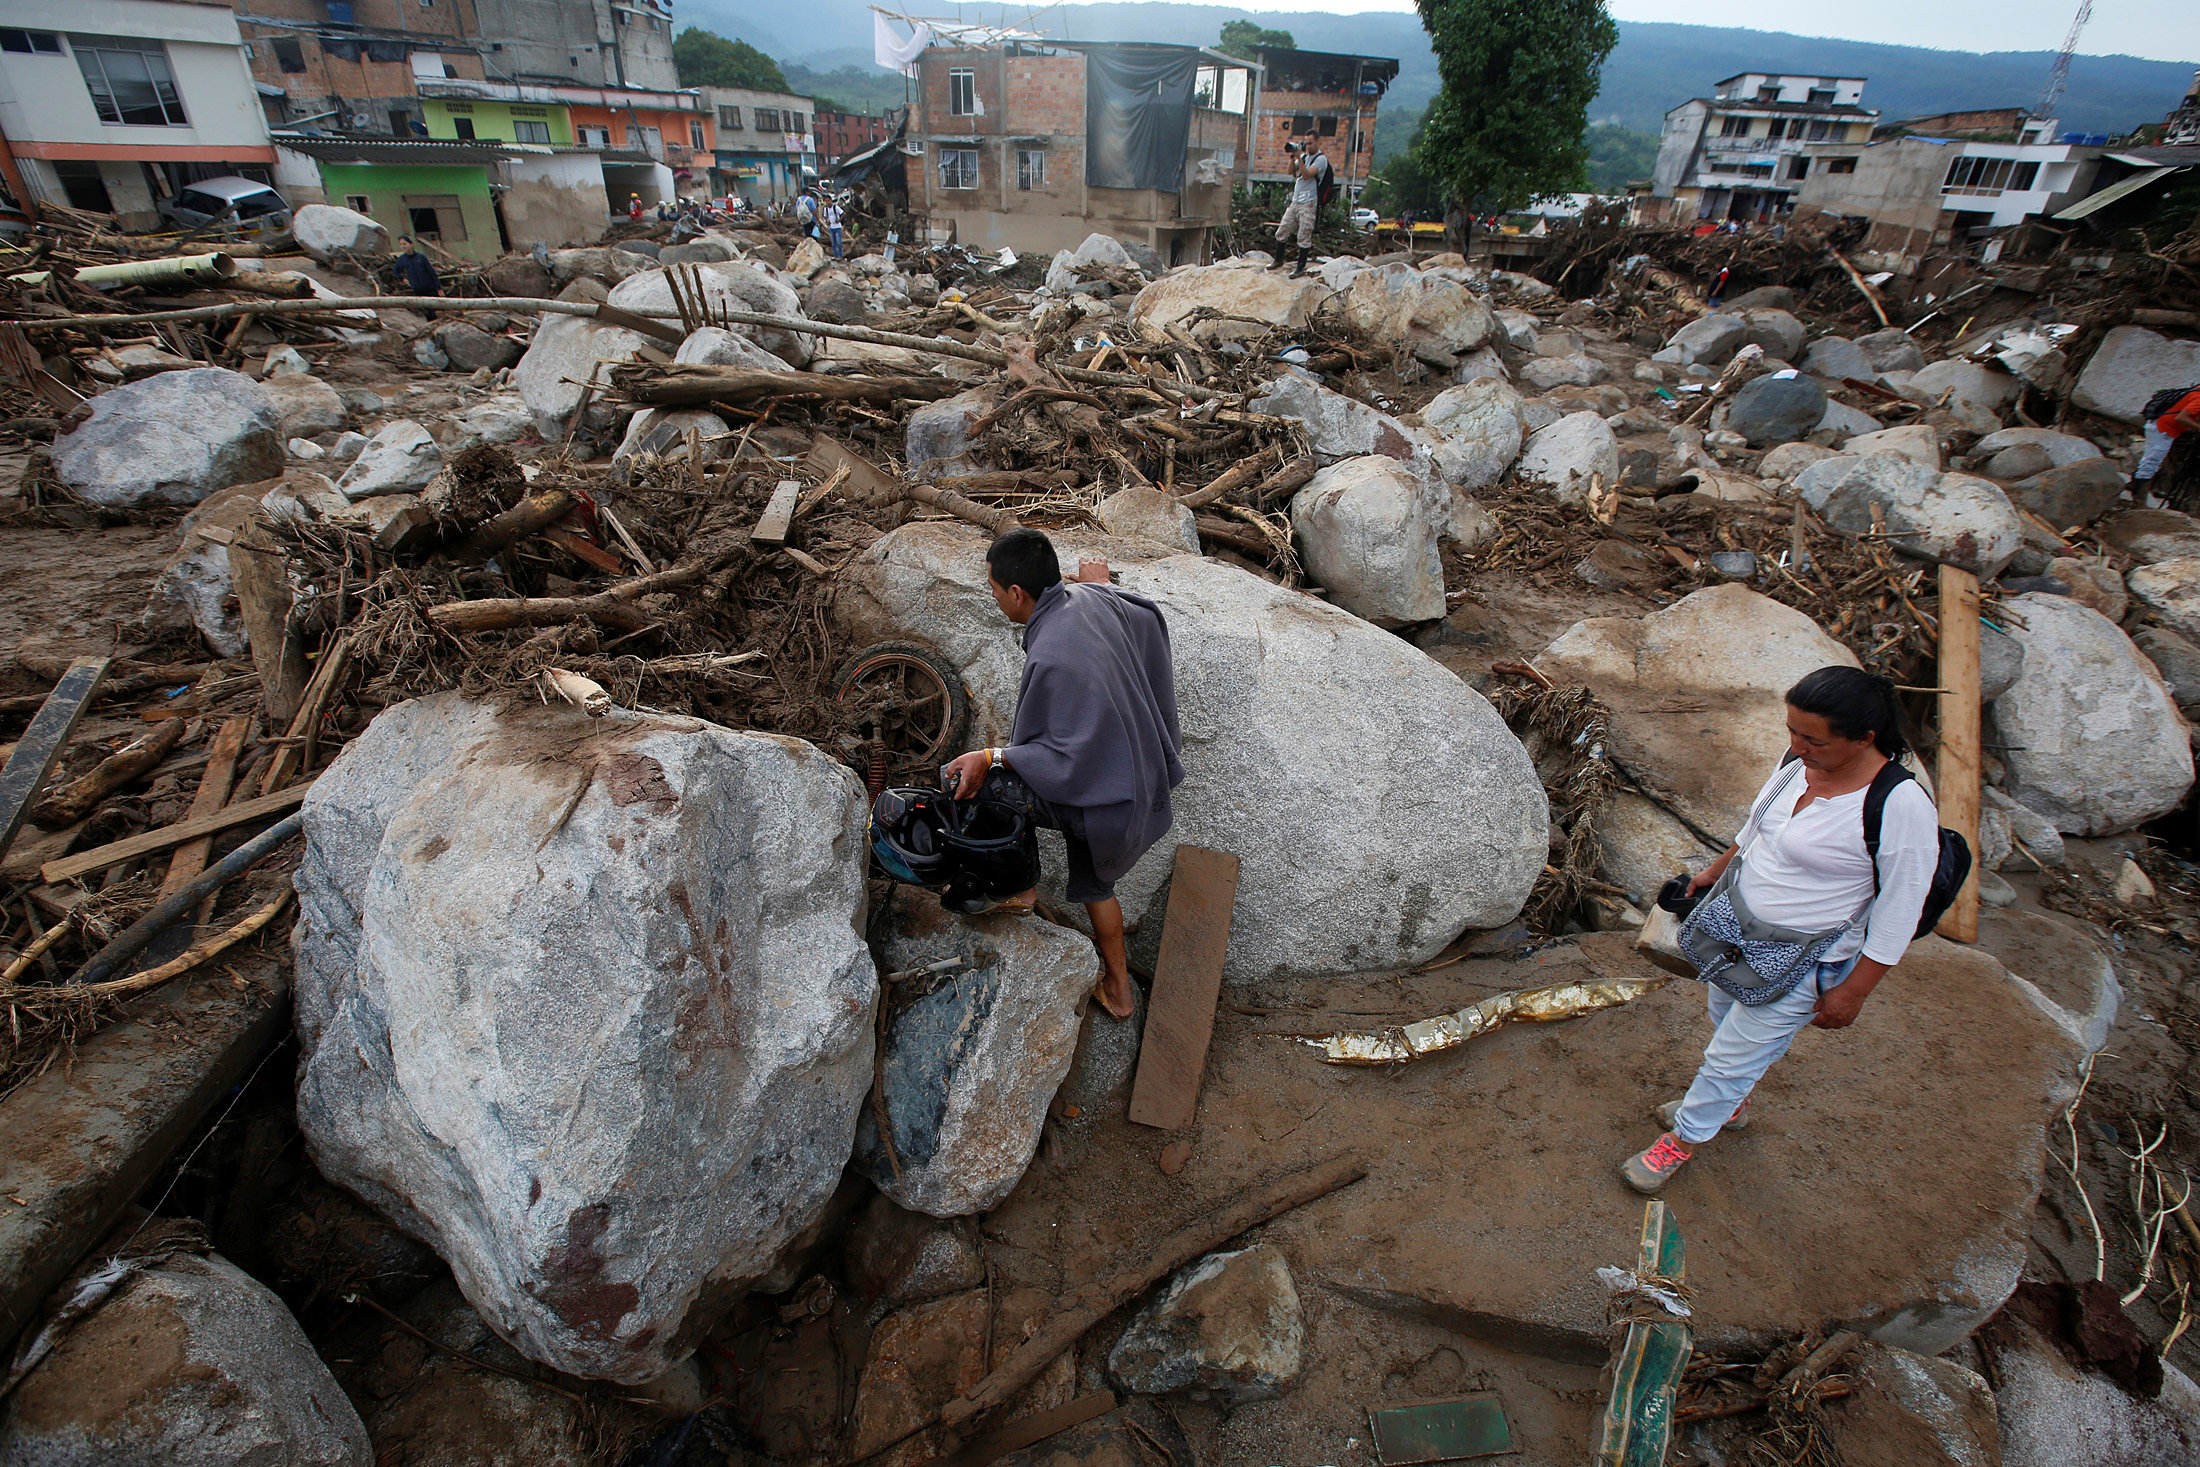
x,y
1811,871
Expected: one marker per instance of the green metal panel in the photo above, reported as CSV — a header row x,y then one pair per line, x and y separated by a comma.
x,y
1440,1431
1637,1426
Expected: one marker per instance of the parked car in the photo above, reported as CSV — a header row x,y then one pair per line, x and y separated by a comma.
x,y
1365,218
257,205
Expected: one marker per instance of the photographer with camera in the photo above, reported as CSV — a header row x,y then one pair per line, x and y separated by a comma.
x,y
1307,167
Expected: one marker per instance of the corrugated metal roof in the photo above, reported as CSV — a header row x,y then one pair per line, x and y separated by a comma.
x,y
414,151
2107,196
2178,155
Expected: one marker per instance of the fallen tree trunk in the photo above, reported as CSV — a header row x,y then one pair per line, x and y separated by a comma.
x,y
1288,480
1235,477
693,383
75,800
999,521
615,607
537,512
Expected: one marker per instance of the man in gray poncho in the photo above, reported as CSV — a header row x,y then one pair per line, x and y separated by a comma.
x,y
1093,752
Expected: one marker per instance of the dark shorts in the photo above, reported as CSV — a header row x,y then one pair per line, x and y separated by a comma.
x,y
1085,885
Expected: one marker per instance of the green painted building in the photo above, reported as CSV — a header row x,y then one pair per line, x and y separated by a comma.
x,y
434,191
501,122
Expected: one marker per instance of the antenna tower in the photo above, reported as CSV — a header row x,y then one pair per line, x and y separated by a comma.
x,y
2059,76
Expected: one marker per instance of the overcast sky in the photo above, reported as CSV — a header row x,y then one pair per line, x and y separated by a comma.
x,y
2163,30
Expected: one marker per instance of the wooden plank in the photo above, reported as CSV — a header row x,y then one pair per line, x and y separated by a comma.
x,y
1955,778
778,515
1037,1427
867,482
168,837
221,769
34,754
1187,979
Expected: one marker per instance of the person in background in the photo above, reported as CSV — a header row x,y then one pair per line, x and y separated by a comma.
x,y
2179,414
1306,192
1843,918
1093,749
805,215
1405,225
634,207
416,270
829,216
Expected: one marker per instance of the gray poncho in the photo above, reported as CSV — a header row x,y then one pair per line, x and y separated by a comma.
x,y
1096,717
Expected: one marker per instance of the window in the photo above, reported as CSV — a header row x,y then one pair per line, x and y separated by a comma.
x,y
796,122
1734,127
129,80
432,65
595,137
730,117
1768,93
767,119
2025,176
524,131
1031,168
402,125
435,216
289,55
357,203
30,43
1984,175
1840,165
1302,124
958,168
962,94
1821,97
1798,167
463,126
1818,131
85,186
695,133
1327,126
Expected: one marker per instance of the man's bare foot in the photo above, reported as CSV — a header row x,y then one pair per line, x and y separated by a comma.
x,y
1114,992
1015,906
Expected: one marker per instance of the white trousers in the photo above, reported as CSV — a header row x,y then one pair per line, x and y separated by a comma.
x,y
2157,449
1745,1042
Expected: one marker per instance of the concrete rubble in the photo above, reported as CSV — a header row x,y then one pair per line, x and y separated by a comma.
x,y
628,1101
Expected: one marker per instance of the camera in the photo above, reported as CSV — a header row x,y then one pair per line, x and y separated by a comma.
x,y
1290,147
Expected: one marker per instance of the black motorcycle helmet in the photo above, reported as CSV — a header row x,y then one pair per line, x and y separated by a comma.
x,y
908,835
975,852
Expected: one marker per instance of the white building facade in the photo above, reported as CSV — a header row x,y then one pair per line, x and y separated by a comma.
x,y
1739,153
113,105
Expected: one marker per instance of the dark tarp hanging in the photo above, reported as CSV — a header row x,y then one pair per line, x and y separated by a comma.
x,y
1138,115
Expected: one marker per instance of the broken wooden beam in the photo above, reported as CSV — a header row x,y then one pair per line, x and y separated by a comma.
x,y
34,755
689,383
168,837
1187,979
74,801
214,785
778,517
1956,773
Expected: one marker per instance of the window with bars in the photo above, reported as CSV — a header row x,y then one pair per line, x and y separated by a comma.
x,y
1031,168
730,118
962,93
767,119
958,168
130,81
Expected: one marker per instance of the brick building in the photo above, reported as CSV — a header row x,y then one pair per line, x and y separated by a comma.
x,y
1322,98
844,134
1030,144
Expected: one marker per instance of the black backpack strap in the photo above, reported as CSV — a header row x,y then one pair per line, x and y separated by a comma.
x,y
1890,774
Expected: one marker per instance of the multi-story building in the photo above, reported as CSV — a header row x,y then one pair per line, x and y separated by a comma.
x,y
844,134
1035,144
2183,125
764,142
656,144
1986,124
113,105
358,65
1920,191
1322,99
1739,153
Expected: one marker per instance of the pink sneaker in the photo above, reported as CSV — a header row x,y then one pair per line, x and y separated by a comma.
x,y
1649,1170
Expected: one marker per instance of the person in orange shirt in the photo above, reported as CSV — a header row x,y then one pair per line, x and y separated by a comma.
x,y
2180,416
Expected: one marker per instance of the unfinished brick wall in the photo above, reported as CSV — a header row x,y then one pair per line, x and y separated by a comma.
x,y
1272,129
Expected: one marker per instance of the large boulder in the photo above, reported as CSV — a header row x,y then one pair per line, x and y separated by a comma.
x,y
1976,395
1451,830
715,346
1952,516
194,590
2090,735
972,1065
191,1362
2171,590
1228,1325
566,354
836,302
1697,693
1097,249
1338,426
1789,459
2129,366
1917,442
1566,458
399,459
1841,424
1437,320
2149,535
1141,512
2075,494
1911,1410
584,1005
1232,301
307,406
1776,409
1369,532
1777,332
518,275
504,418
733,285
2054,1414
2177,658
1481,428
1995,454
1577,370
171,439
936,440
470,348
1891,350
325,231
662,432
1706,341
1837,357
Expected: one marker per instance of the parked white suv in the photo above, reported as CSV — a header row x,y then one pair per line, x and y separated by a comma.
x,y
208,199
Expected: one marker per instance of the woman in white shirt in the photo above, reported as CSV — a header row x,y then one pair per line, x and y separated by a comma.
x,y
1804,869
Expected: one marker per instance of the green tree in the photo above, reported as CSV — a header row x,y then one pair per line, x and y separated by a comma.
x,y
1241,37
707,59
1510,123
1619,156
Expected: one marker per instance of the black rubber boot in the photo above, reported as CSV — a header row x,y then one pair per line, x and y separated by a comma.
x,y
1304,253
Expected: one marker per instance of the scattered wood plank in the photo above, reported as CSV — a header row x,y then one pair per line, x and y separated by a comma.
x,y
42,743
1187,979
1037,1427
778,517
689,383
613,607
168,837
221,771
1955,780
585,550
867,482
1081,1309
